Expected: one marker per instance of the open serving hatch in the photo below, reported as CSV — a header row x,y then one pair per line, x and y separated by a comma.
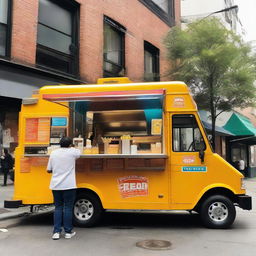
x,y
96,115
112,100
116,112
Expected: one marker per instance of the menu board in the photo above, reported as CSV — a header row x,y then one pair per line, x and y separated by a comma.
x,y
31,130
44,130
38,130
156,126
24,164
59,121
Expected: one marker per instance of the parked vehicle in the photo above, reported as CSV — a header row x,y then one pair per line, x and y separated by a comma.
x,y
143,148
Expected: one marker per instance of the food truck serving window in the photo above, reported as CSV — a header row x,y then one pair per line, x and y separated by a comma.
x,y
120,122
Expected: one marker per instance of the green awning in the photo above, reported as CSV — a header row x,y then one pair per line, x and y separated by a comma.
x,y
220,131
240,126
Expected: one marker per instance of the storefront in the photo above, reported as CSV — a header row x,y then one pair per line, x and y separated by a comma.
x,y
220,138
18,82
243,145
9,109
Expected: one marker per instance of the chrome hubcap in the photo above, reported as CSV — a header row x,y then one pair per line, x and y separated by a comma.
x,y
218,211
83,209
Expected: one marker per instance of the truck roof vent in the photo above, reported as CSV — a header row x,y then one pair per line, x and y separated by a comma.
x,y
114,80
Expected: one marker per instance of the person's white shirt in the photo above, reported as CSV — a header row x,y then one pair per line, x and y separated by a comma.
x,y
62,164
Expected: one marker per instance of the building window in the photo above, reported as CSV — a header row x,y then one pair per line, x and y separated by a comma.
x,y
57,36
164,9
238,152
5,28
252,156
151,62
113,55
163,4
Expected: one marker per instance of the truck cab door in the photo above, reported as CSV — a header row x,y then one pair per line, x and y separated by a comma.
x,y
188,168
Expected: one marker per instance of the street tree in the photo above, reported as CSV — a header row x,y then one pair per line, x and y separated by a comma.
x,y
217,64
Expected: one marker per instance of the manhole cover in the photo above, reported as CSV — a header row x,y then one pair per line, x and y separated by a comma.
x,y
154,244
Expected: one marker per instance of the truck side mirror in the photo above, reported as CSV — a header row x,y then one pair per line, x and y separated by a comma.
x,y
201,155
201,150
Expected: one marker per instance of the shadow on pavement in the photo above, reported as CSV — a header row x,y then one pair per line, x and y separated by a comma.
x,y
149,220
118,220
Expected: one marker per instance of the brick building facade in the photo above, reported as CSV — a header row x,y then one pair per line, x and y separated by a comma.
x,y
71,42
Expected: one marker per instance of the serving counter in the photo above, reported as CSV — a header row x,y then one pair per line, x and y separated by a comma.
x,y
109,162
108,156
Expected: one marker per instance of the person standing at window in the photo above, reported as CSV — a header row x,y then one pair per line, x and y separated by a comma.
x,y
63,185
6,164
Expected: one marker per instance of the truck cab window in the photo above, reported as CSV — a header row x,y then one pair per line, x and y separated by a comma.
x,y
186,134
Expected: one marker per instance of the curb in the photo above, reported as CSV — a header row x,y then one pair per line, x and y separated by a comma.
x,y
11,221
20,214
12,215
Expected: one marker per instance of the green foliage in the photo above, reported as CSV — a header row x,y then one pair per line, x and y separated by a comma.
x,y
217,65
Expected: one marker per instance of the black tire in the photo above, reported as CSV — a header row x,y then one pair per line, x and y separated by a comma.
x,y
87,210
217,212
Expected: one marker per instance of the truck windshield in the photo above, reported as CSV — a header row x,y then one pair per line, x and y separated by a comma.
x,y
186,134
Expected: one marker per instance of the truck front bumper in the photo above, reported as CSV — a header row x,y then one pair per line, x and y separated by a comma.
x,y
12,203
244,202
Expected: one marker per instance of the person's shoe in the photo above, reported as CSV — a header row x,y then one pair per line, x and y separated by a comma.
x,y
4,185
69,235
56,236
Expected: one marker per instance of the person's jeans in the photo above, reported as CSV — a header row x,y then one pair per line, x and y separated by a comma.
x,y
64,203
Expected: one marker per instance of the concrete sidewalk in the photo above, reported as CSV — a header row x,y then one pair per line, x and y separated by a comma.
x,y
6,193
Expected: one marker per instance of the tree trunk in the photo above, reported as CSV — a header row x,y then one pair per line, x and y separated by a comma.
x,y
213,131
213,110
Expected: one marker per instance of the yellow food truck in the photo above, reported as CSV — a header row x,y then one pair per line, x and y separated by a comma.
x,y
143,147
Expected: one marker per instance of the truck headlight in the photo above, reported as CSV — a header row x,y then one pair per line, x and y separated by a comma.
x,y
243,186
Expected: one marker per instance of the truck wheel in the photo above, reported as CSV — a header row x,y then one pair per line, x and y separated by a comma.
x,y
217,212
87,210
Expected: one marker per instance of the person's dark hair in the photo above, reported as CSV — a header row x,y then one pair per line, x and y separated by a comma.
x,y
6,151
65,142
